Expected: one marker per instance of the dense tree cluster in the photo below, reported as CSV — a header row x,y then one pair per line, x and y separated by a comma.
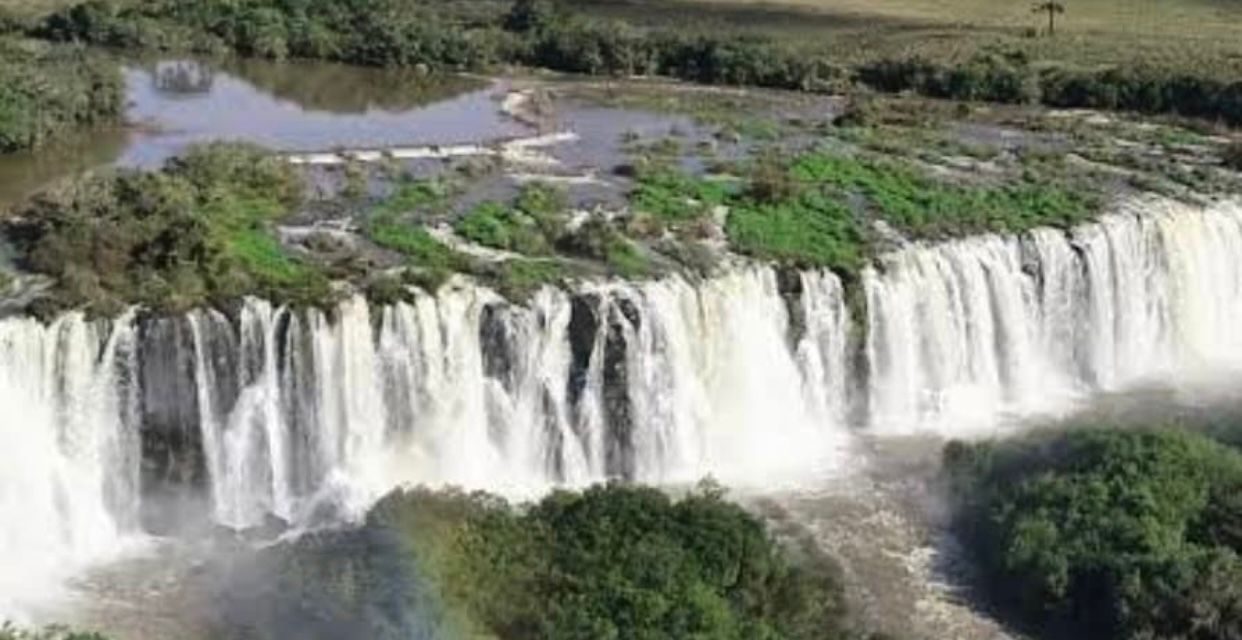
x,y
1014,79
614,562
49,91
1107,534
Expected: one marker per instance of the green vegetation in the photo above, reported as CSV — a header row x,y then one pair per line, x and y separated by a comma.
x,y
926,208
613,562
532,226
432,262
603,241
519,279
47,92
440,34
674,201
1013,78
809,231
199,229
1107,534
811,210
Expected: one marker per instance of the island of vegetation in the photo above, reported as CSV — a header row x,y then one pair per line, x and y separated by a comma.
x,y
609,561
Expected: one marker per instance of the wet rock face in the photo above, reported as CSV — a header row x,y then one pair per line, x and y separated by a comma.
x,y
789,284
173,462
497,344
599,332
584,325
619,452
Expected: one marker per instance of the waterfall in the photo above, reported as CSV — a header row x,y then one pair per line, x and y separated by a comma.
x,y
758,378
661,382
965,333
69,481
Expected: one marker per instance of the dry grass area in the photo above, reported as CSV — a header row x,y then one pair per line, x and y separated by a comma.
x,y
1201,36
28,8
1197,18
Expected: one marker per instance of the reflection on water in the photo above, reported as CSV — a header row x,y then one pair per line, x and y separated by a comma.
x,y
303,107
182,78
285,106
342,89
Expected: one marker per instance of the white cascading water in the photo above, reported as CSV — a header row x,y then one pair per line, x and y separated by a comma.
x,y
964,333
69,480
308,415
676,381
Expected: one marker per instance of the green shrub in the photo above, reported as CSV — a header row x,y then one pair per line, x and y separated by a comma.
x,y
674,198
489,224
531,226
518,280
1106,533
598,239
433,262
413,196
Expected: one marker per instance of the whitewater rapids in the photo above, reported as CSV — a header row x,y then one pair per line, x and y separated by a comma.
x,y
757,378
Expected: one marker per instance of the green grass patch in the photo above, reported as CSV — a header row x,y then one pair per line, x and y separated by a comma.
x,y
674,198
518,280
414,195
433,262
494,225
625,258
531,225
925,207
811,231
414,242
261,255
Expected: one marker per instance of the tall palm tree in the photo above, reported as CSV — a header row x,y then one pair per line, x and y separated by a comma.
x,y
1052,8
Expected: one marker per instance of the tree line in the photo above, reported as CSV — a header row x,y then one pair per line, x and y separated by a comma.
x,y
480,34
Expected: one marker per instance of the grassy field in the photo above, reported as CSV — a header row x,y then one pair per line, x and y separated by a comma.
x,y
1196,35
